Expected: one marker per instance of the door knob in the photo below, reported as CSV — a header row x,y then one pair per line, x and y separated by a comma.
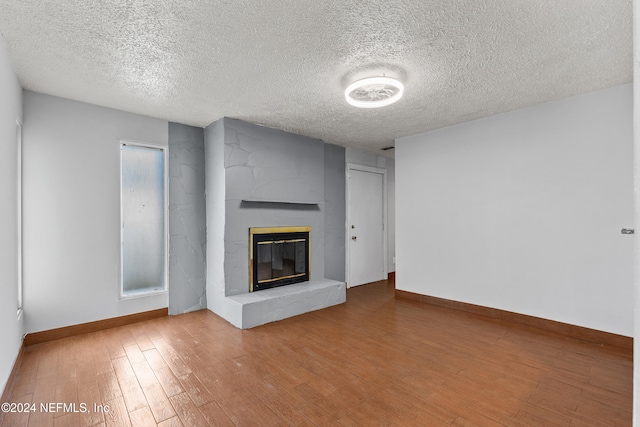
x,y
353,237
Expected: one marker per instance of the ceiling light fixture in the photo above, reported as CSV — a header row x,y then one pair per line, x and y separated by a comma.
x,y
374,92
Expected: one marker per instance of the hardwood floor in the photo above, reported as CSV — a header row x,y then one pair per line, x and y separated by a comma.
x,y
372,361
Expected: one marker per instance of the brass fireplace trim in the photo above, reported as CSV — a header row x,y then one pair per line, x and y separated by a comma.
x,y
270,230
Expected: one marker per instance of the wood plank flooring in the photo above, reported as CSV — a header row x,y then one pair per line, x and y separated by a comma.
x,y
372,361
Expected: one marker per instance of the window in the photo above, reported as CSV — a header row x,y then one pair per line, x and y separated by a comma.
x,y
143,210
19,208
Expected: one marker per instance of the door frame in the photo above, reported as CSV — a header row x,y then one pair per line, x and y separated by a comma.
x,y
351,167
20,228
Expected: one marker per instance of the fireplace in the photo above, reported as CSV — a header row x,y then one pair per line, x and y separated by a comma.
x,y
278,256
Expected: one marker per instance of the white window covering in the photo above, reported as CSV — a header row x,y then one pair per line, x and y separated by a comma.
x,y
143,219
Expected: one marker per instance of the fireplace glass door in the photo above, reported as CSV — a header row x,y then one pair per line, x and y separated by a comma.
x,y
278,257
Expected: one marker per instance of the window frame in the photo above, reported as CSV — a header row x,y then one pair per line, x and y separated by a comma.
x,y
165,240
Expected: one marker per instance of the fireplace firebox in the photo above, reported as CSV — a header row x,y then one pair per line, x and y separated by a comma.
x,y
278,256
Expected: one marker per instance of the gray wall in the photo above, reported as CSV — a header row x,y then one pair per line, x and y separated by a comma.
x,y
187,219
335,212
269,165
215,194
391,214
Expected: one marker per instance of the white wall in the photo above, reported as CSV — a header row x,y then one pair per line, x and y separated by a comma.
x,y
522,211
72,210
636,144
365,158
10,109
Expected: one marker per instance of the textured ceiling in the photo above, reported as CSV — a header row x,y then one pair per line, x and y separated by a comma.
x,y
285,63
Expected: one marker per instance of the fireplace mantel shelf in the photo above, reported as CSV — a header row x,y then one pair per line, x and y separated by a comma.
x,y
284,202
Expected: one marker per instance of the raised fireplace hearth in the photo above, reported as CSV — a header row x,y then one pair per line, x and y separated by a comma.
x,y
278,256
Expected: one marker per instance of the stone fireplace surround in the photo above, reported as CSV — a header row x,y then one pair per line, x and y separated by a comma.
x,y
261,177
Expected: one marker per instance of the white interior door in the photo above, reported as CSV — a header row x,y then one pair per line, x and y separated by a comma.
x,y
365,227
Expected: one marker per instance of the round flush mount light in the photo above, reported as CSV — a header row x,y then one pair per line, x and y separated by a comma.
x,y
374,92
